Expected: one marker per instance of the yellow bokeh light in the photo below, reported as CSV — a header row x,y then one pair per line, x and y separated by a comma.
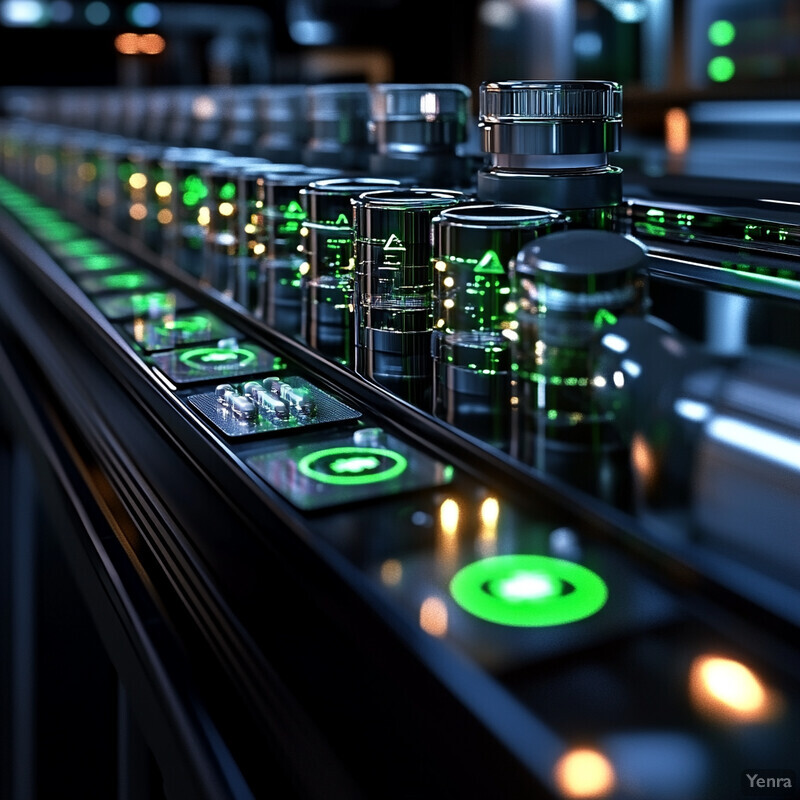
x,y
584,773
448,516
163,189
138,180
226,209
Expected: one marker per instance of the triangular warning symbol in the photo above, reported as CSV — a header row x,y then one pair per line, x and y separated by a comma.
x,y
393,243
490,264
604,317
294,211
343,219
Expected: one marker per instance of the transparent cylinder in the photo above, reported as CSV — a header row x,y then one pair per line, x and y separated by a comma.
x,y
394,288
473,320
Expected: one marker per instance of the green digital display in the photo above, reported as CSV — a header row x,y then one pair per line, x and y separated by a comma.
x,y
528,591
352,466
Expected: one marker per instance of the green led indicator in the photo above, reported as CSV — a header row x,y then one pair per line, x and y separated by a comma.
x,y
200,357
490,264
352,466
342,220
528,591
721,69
721,32
227,191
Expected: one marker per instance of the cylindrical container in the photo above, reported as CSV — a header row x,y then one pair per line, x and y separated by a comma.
x,y
138,175
473,316
274,243
416,131
327,275
338,117
224,245
394,287
568,286
185,233
549,143
282,123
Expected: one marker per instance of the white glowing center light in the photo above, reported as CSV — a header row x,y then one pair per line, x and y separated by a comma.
x,y
526,586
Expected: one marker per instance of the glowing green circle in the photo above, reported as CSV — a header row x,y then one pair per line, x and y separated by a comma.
x,y
721,32
721,69
527,591
306,465
202,357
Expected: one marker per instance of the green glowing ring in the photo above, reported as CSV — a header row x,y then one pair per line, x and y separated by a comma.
x,y
306,465
205,354
476,588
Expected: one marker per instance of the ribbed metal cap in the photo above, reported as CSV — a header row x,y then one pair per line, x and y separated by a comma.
x,y
546,118
509,101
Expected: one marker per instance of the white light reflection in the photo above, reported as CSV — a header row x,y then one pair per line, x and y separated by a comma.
x,y
633,368
760,442
692,409
22,13
615,342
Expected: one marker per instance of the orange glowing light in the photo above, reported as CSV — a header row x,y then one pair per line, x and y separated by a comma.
x,y
676,131
433,616
152,44
138,211
127,43
584,773
728,690
131,44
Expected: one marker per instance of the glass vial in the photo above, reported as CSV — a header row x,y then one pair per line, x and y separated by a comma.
x,y
473,247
